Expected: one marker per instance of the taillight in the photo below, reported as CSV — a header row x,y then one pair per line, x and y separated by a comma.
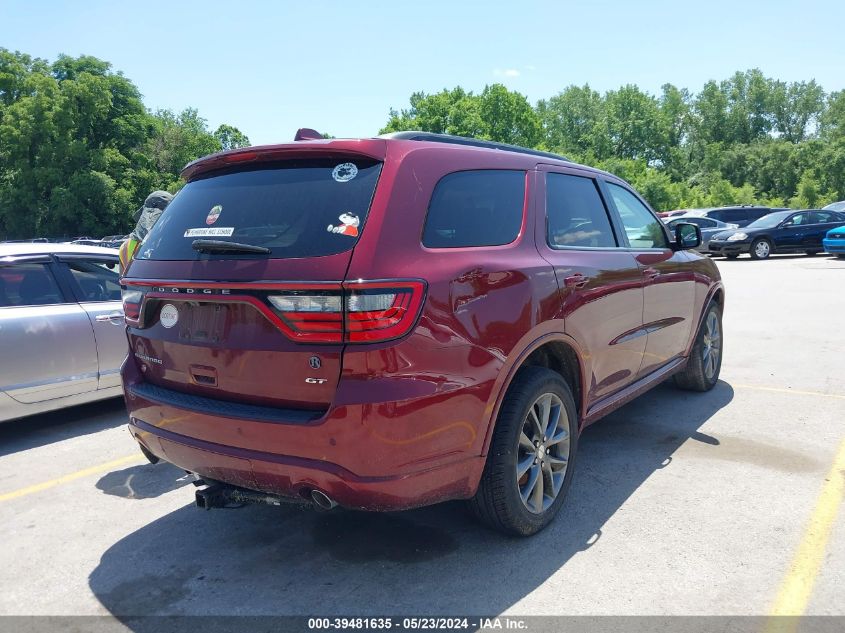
x,y
309,316
132,299
363,312
381,311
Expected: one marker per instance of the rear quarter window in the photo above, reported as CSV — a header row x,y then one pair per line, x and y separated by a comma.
x,y
475,208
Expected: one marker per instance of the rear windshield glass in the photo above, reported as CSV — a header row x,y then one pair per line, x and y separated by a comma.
x,y
304,208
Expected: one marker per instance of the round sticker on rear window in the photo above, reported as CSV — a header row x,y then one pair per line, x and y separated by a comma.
x,y
169,315
344,172
215,212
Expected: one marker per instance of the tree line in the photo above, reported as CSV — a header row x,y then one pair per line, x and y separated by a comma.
x,y
79,151
745,140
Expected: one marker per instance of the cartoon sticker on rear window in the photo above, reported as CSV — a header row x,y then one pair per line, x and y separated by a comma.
x,y
215,212
349,225
344,172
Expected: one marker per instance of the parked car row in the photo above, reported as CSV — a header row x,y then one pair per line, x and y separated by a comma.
x,y
779,232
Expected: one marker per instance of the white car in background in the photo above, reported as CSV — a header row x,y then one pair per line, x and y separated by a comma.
x,y
62,332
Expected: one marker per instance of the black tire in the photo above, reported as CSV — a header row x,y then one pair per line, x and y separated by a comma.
x,y
811,253
731,255
498,502
701,373
840,255
763,253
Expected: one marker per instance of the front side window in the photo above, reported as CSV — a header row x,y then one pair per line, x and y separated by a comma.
x,y
28,284
799,219
575,213
475,208
97,279
642,228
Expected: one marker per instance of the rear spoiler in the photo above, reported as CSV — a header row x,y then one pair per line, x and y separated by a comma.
x,y
375,148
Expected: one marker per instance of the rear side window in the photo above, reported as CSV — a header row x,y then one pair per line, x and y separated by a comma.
x,y
732,215
28,285
475,208
302,208
576,215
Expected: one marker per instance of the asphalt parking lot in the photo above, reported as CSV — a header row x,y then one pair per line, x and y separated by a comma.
x,y
725,503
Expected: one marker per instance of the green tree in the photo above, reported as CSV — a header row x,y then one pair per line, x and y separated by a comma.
x,y
230,137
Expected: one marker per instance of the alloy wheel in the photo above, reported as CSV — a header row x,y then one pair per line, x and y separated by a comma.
x,y
712,345
543,454
762,249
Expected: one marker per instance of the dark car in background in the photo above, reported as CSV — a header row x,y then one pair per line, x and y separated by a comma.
x,y
739,215
779,232
393,322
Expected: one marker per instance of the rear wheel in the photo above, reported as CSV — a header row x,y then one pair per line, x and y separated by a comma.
x,y
840,255
761,248
731,255
705,360
530,463
812,253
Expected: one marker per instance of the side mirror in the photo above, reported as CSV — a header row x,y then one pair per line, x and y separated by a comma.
x,y
687,235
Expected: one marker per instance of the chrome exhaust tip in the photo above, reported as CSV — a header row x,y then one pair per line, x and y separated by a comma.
x,y
322,500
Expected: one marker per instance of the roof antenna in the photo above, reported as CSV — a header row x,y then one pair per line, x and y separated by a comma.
x,y
307,134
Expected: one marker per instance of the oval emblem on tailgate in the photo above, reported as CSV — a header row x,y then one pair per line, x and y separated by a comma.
x,y
169,315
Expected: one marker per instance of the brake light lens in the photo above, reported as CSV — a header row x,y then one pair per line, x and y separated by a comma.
x,y
381,311
132,300
362,312
310,317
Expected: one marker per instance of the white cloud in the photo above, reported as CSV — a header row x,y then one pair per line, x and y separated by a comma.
x,y
507,72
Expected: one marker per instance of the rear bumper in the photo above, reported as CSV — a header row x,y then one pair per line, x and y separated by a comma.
x,y
297,477
412,452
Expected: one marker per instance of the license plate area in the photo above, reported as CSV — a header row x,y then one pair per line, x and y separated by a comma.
x,y
203,322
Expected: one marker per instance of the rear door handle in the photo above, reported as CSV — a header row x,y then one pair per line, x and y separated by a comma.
x,y
651,273
576,281
114,317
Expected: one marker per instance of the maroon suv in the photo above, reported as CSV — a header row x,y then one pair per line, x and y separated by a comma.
x,y
393,322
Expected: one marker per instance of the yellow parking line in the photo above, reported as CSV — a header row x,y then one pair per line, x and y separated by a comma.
x,y
796,392
44,485
798,584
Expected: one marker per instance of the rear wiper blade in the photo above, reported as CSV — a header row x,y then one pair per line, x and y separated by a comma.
x,y
219,246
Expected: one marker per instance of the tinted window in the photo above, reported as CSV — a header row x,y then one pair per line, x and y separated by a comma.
x,y
730,215
575,213
475,208
28,285
823,217
705,223
295,208
97,279
642,228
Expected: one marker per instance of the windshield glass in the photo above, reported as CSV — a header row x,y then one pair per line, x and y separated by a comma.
x,y
769,221
302,208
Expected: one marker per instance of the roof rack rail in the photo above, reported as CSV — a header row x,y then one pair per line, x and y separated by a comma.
x,y
473,142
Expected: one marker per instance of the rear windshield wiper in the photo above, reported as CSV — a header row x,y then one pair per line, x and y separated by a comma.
x,y
219,246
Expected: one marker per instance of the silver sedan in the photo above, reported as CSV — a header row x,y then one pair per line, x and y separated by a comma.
x,y
709,227
62,333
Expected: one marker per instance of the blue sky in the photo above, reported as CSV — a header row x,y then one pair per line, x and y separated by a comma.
x,y
339,66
